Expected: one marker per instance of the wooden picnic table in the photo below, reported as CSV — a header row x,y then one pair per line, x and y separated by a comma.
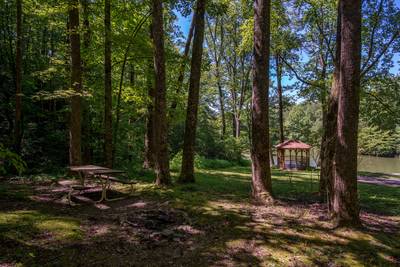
x,y
101,174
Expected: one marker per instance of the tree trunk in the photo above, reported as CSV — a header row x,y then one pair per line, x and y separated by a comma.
x,y
221,104
87,150
108,139
236,125
280,99
148,161
76,84
345,204
328,143
132,75
261,172
217,52
18,82
187,171
160,102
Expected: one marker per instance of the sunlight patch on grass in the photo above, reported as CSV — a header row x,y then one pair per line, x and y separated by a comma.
x,y
29,225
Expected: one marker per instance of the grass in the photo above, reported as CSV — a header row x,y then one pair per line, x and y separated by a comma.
x,y
220,225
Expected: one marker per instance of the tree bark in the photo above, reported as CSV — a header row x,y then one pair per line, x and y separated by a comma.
x,y
261,172
18,82
108,132
148,161
221,104
87,150
75,157
160,102
345,204
328,142
280,98
187,170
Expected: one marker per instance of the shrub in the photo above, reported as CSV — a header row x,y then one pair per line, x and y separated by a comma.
x,y
200,162
10,160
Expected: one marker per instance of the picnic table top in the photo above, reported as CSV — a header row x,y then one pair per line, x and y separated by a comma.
x,y
87,168
93,169
106,171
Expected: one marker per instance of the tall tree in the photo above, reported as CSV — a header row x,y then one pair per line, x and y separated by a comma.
x,y
379,43
187,170
278,63
328,142
160,102
149,148
345,203
18,81
76,83
217,49
87,149
261,172
108,132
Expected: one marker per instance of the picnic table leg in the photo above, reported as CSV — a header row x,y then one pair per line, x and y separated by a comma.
x,y
69,196
104,186
82,177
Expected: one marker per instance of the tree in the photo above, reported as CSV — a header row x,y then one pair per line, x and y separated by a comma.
x,y
328,141
261,173
378,43
217,50
108,132
76,84
345,202
160,103
187,170
149,148
87,149
18,81
278,63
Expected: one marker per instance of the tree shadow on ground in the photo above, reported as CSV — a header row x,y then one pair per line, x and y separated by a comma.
x,y
190,225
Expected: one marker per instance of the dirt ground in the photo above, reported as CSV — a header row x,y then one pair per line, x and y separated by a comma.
x,y
39,228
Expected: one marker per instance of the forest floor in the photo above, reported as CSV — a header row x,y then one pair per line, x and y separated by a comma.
x,y
210,223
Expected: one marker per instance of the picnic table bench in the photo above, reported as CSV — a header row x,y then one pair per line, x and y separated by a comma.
x,y
101,174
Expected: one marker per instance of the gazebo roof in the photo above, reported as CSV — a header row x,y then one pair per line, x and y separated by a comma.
x,y
293,144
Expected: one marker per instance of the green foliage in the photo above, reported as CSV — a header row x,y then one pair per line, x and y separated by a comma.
x,y
201,162
9,161
303,32
303,122
380,103
377,142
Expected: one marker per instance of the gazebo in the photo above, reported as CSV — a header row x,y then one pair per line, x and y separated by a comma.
x,y
293,154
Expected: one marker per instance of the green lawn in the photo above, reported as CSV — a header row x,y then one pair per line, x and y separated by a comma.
x,y
208,223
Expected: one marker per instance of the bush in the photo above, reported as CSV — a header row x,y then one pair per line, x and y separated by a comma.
x,y
376,142
10,161
200,162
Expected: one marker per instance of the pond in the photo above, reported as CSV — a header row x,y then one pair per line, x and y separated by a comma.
x,y
373,164
379,164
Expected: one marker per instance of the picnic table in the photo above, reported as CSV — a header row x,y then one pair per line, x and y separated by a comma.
x,y
101,174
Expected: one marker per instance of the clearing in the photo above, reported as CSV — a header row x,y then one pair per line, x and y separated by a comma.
x,y
210,223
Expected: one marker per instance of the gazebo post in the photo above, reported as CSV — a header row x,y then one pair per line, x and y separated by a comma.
x,y
302,160
278,157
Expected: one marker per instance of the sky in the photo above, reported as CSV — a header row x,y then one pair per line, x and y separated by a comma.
x,y
184,24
